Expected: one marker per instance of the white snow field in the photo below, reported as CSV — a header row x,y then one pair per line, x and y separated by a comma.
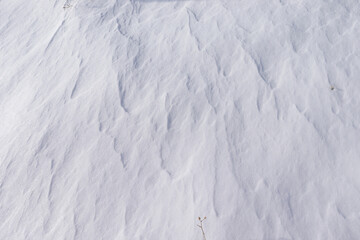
x,y
129,119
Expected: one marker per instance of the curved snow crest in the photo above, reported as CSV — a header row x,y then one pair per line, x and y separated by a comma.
x,y
129,119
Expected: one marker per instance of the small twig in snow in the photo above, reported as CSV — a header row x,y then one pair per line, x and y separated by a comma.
x,y
201,226
66,5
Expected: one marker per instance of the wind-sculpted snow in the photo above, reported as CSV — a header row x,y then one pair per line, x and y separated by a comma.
x,y
129,119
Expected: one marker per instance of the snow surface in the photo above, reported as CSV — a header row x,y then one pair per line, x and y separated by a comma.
x,y
128,119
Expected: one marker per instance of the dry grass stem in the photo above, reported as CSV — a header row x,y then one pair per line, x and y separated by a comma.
x,y
201,226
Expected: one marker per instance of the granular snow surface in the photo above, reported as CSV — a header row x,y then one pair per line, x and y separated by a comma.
x,y
129,119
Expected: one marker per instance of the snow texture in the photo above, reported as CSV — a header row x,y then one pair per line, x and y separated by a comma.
x,y
128,119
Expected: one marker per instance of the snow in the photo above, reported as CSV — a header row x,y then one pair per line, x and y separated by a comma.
x,y
130,119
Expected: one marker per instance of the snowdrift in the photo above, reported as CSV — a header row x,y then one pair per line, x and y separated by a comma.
x,y
130,119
